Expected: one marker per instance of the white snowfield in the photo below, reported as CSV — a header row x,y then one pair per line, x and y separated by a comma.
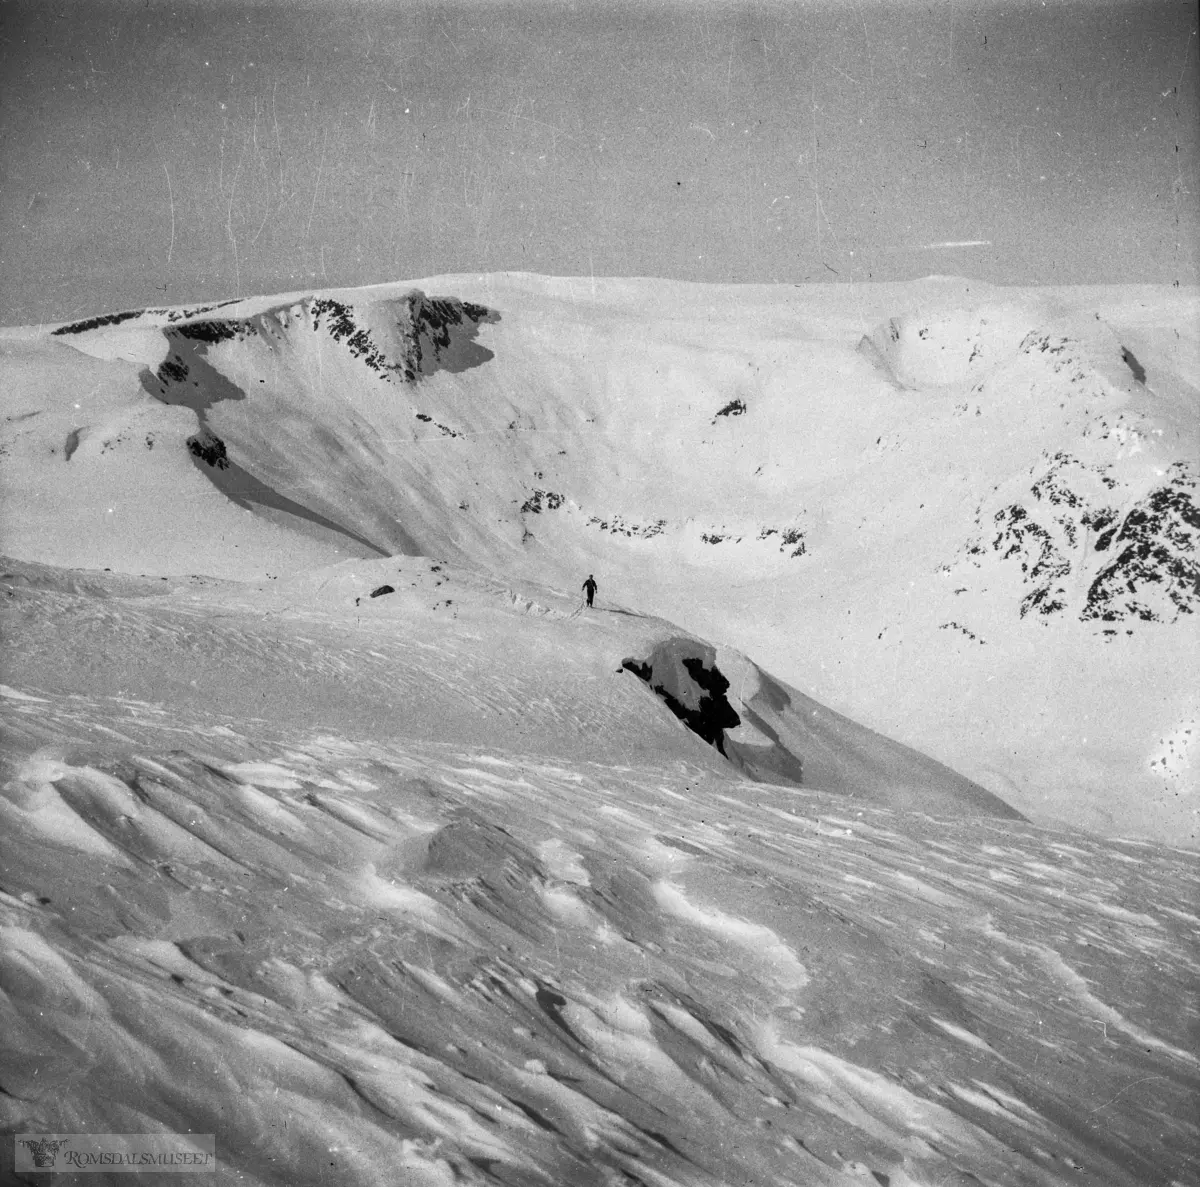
x,y
332,826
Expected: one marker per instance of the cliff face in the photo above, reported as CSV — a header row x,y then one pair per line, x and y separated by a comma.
x,y
399,339
213,363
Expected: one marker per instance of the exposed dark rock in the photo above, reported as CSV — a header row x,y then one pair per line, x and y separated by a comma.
x,y
733,408
340,325
790,539
380,590
618,527
180,314
209,448
958,626
436,334
94,323
700,703
1146,555
445,430
640,669
217,330
793,538
683,673
551,500
1154,569
433,343
172,370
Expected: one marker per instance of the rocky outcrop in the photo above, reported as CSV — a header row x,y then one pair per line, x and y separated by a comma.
x,y
439,334
1091,546
773,733
549,499
209,448
691,686
95,323
1152,574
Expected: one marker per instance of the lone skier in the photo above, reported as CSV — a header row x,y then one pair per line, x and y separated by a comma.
x,y
589,588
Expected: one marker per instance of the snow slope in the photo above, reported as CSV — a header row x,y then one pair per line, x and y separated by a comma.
x,y
964,516
427,887
332,826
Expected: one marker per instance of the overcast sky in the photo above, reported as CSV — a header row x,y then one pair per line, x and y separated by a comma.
x,y
156,153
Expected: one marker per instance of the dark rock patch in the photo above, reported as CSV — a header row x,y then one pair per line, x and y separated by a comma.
x,y
443,331
435,334
542,499
380,590
445,430
211,332
617,526
1154,553
186,377
791,540
338,319
94,323
1146,556
209,448
958,626
693,689
683,673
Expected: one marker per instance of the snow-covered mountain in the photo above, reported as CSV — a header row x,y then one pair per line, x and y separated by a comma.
x,y
962,515
333,824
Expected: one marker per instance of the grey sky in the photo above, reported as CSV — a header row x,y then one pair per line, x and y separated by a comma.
x,y
159,153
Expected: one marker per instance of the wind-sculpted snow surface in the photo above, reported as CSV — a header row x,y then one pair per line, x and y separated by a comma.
x,y
396,891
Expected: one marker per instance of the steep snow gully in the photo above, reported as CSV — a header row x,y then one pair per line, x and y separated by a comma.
x,y
331,825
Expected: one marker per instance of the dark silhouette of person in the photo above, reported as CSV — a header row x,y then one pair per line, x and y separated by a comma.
x,y
589,588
